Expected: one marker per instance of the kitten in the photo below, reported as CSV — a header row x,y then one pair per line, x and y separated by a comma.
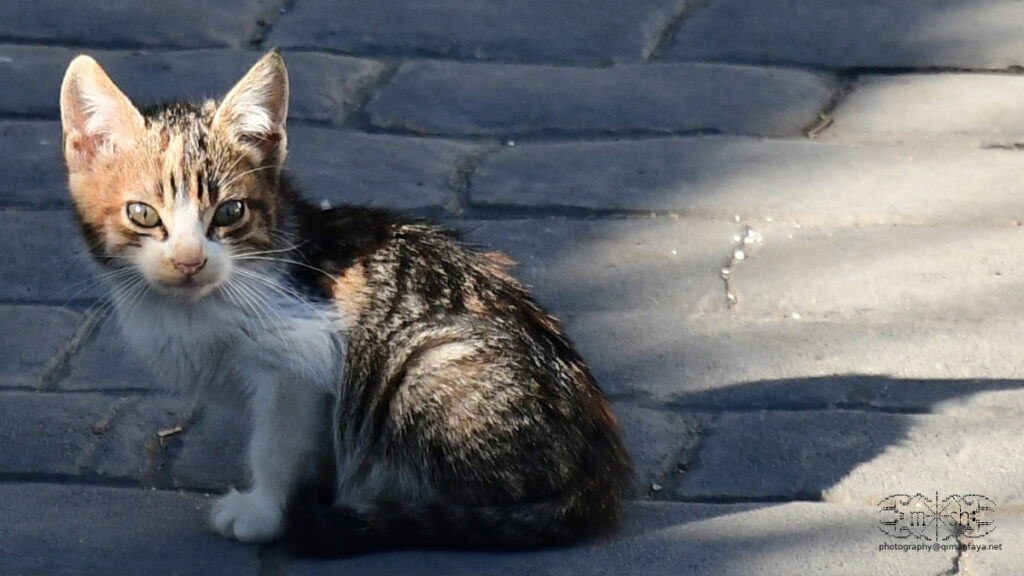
x,y
453,411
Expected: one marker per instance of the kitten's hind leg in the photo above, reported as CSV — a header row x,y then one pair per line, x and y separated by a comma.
x,y
287,423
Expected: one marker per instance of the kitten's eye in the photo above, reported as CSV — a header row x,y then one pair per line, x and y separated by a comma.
x,y
143,214
229,213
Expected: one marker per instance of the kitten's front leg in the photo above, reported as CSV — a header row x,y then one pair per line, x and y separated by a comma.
x,y
286,425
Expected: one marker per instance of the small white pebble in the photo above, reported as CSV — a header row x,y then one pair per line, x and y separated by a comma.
x,y
510,143
795,316
325,204
726,272
736,238
738,255
769,219
736,218
656,487
796,224
673,252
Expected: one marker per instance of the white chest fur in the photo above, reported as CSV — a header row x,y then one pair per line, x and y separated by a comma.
x,y
219,348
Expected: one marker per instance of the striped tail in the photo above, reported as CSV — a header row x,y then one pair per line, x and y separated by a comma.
x,y
331,531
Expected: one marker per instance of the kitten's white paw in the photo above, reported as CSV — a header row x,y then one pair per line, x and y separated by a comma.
x,y
247,517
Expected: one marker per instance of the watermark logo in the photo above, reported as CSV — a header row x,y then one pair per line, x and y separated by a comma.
x,y
936,520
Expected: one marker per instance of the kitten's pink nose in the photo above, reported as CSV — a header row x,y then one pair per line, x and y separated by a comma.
x,y
189,267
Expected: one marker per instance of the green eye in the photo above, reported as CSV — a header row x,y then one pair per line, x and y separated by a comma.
x,y
143,214
229,213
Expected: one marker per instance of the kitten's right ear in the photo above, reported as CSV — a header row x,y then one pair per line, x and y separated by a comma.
x,y
97,117
255,111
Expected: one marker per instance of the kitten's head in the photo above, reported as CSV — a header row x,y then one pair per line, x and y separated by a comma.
x,y
183,192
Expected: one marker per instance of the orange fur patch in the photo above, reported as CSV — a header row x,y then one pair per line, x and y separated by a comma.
x,y
351,293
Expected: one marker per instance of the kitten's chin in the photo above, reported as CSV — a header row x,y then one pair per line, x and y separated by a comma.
x,y
185,291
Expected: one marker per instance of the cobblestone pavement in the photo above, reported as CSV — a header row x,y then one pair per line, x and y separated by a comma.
x,y
787,234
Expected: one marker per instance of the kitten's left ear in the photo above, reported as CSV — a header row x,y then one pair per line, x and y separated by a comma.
x,y
255,111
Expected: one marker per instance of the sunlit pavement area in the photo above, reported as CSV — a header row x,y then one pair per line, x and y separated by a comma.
x,y
786,234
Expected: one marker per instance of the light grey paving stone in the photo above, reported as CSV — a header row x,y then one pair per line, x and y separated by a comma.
x,y
45,433
106,363
30,338
83,530
578,265
971,109
812,183
431,97
661,355
664,538
839,34
30,160
531,30
126,23
212,451
655,438
323,87
960,273
45,260
129,444
963,449
384,171
1001,554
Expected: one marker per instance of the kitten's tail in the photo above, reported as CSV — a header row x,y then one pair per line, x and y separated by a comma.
x,y
331,531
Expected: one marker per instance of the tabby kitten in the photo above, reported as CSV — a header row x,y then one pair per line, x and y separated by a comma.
x,y
452,410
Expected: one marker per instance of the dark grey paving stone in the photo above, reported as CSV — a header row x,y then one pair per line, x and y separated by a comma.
x,y
384,171
785,455
130,445
126,23
324,88
30,338
453,98
839,34
579,265
47,433
809,182
80,530
665,538
45,260
211,451
106,363
31,162
334,165
525,31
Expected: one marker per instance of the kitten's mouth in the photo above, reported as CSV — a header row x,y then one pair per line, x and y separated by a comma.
x,y
187,287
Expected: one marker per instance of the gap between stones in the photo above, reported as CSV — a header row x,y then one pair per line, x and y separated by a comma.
x,y
57,367
267,21
683,12
844,87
